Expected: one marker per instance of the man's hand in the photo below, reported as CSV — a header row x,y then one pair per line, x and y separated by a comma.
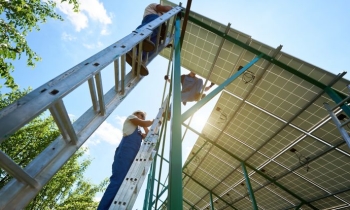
x,y
143,136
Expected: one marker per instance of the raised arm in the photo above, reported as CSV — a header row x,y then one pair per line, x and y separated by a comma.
x,y
142,123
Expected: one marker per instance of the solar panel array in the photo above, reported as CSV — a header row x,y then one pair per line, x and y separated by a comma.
x,y
269,118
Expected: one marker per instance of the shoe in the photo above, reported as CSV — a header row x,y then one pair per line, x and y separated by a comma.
x,y
148,46
143,70
203,95
169,115
196,96
184,103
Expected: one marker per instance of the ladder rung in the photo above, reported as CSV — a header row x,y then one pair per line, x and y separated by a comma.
x,y
116,74
16,171
101,100
60,115
93,93
345,123
122,89
340,103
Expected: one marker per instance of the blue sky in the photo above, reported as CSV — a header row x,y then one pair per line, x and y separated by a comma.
x,y
316,31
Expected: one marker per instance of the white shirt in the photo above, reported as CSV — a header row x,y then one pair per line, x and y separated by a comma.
x,y
151,9
128,126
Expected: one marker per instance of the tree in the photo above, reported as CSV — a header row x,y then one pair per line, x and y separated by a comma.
x,y
68,187
17,19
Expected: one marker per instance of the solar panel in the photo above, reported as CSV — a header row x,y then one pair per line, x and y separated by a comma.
x,y
272,119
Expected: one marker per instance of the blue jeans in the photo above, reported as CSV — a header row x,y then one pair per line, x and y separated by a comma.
x,y
147,19
123,158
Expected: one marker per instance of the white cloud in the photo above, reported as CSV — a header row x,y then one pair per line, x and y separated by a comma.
x,y
107,133
88,9
96,11
97,198
68,37
93,46
120,120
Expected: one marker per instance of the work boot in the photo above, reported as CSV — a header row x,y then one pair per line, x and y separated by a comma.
x,y
147,45
169,115
143,69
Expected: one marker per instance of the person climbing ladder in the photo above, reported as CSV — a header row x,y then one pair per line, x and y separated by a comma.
x,y
152,12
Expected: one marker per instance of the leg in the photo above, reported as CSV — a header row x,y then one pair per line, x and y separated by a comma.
x,y
123,158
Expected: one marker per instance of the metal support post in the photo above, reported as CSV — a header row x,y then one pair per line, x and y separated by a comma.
x,y
147,193
175,166
151,187
217,90
249,186
211,201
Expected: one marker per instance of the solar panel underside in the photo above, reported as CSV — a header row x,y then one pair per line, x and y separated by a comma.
x,y
260,118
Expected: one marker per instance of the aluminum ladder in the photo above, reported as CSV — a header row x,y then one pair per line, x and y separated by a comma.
x,y
30,180
340,125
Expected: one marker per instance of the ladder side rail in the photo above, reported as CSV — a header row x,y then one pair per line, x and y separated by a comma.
x,y
28,107
139,184
136,172
16,195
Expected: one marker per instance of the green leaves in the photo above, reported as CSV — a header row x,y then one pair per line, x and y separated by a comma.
x,y
20,18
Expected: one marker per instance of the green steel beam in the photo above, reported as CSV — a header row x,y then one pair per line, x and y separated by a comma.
x,y
298,207
200,184
251,167
217,90
175,160
323,197
164,125
152,183
249,186
337,99
257,52
148,193
160,194
211,201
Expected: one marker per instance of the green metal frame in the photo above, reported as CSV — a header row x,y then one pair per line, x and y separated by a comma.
x,y
294,169
211,201
200,184
249,186
175,161
254,169
217,90
175,181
